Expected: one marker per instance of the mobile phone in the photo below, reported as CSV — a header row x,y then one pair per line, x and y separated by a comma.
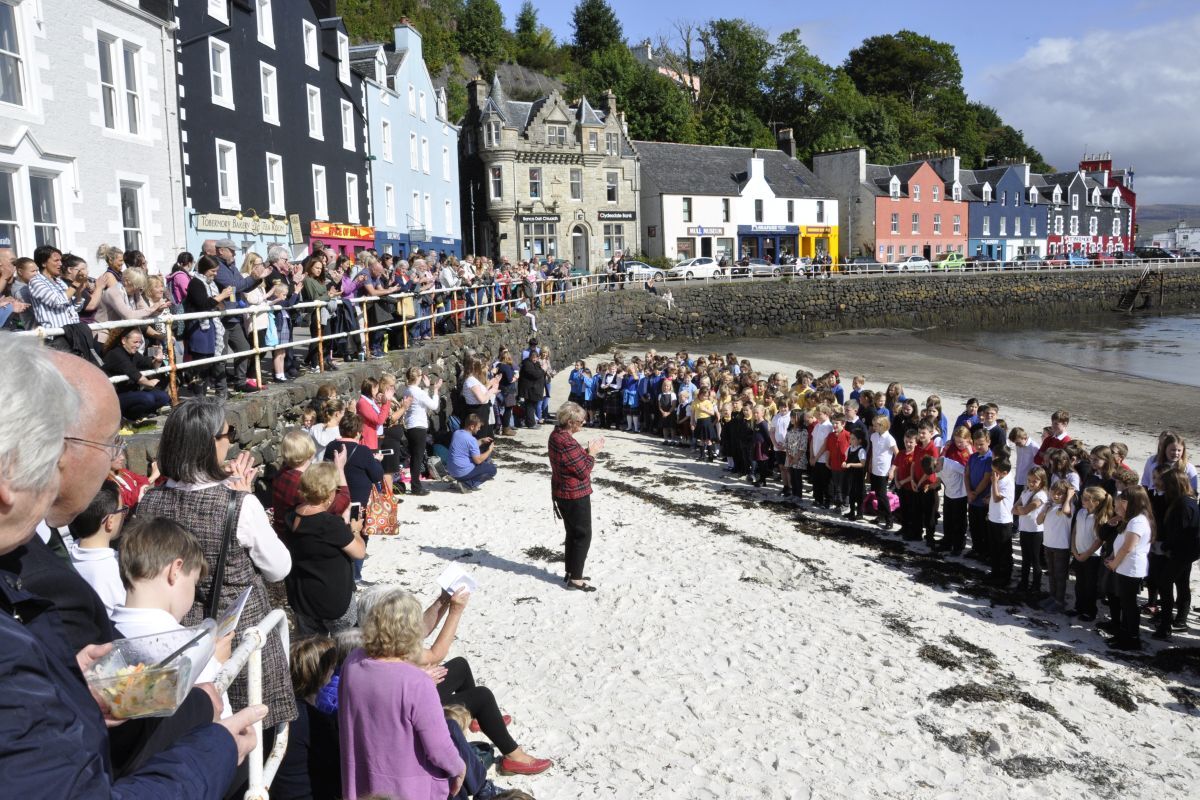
x,y
387,452
355,510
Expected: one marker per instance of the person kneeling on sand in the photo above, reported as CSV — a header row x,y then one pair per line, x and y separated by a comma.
x,y
470,459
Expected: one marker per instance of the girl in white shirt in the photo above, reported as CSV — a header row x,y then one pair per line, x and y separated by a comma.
x,y
416,422
1085,548
1056,517
1129,563
1029,508
882,450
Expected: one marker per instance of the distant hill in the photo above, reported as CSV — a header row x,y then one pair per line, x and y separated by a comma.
x,y
1159,218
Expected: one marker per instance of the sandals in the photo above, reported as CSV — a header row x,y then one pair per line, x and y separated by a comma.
x,y
580,587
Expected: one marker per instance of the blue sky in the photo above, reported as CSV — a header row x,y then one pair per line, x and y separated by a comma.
x,y
1073,74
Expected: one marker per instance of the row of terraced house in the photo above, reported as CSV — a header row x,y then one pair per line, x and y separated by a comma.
x,y
157,124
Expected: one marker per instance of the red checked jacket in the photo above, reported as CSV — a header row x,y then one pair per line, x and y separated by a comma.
x,y
570,467
286,496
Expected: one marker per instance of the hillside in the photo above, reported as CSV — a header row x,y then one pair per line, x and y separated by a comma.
x,y
1152,219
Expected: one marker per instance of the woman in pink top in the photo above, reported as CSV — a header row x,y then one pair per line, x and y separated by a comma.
x,y
376,397
393,734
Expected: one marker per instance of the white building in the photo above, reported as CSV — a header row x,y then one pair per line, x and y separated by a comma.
x,y
736,202
89,146
1181,237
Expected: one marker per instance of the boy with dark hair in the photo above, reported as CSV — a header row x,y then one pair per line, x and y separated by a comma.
x,y
1056,436
837,444
979,476
1000,519
93,555
853,471
989,414
926,486
906,488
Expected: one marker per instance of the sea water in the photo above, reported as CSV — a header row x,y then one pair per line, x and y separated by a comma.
x,y
1162,348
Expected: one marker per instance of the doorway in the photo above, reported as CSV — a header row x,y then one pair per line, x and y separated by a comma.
x,y
706,247
579,248
927,251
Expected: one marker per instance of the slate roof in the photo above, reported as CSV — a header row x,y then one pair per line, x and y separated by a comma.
x,y
586,115
690,169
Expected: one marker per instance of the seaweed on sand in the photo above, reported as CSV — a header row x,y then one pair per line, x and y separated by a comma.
x,y
899,625
972,743
999,693
539,553
939,656
1055,658
980,655
1113,689
426,507
1177,659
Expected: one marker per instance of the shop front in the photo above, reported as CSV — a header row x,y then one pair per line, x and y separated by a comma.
x,y
342,238
711,241
537,235
818,240
403,244
768,242
249,232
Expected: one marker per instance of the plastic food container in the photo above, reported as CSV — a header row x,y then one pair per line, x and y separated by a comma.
x,y
128,680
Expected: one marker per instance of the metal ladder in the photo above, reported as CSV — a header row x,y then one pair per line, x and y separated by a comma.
x,y
1128,300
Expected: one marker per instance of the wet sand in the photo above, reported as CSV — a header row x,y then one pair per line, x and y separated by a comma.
x,y
1133,408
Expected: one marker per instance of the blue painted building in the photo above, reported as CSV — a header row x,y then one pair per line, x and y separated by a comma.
x,y
1007,216
413,149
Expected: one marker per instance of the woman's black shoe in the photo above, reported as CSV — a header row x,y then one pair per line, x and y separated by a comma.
x,y
580,587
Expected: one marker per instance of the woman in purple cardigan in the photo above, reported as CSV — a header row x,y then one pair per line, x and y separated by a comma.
x,y
393,733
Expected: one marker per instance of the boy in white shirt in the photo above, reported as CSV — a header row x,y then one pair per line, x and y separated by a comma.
x,y
1000,519
161,563
818,457
92,555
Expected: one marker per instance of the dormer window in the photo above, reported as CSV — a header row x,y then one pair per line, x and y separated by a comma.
x,y
556,135
1095,197
1116,201
894,188
987,193
491,134
916,192
1057,196
1004,199
1075,202
1033,196
956,193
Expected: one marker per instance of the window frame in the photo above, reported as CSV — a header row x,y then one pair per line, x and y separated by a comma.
x,y
895,223
320,191
138,231
446,163
218,10
268,87
916,224
352,215
275,185
19,58
265,12
314,112
575,183
343,49
224,99
312,48
389,205
760,209
937,224
496,183
686,209
229,199
346,115
556,134
535,183
385,139
957,224
54,225
425,154
612,187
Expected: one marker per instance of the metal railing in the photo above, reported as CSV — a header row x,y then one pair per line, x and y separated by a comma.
x,y
249,655
505,298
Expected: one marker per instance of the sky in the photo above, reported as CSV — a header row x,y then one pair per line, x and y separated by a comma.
x,y
1075,75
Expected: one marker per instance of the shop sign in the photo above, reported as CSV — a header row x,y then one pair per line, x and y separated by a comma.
x,y
231,223
297,229
340,230
818,230
616,216
699,230
759,228
539,217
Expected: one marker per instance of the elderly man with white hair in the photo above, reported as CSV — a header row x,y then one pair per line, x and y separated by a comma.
x,y
53,737
284,286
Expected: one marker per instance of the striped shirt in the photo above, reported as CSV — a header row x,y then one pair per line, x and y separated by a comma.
x,y
52,307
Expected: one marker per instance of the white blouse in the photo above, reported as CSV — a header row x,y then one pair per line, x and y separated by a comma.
x,y
417,415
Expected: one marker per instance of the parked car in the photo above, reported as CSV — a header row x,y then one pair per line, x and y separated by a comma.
x,y
700,267
755,267
860,265
1029,260
912,264
1103,259
641,271
950,261
1153,252
1125,255
798,267
1068,259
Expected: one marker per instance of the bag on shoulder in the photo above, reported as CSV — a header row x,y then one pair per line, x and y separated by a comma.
x,y
379,517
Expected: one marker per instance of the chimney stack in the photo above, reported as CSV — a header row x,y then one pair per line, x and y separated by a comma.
x,y
477,92
787,142
610,102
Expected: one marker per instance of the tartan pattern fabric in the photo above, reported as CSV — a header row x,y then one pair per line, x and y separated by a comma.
x,y
203,513
570,467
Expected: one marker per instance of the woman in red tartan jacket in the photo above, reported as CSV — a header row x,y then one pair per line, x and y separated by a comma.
x,y
571,487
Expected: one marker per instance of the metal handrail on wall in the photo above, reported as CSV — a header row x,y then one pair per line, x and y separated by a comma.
x,y
506,297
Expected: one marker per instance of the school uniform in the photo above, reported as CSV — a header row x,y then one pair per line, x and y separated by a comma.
x,y
1000,522
852,479
880,465
837,444
978,467
820,466
909,529
1030,532
928,490
954,507
1057,544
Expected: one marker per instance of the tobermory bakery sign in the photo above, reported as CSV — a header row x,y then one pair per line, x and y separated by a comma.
x,y
231,223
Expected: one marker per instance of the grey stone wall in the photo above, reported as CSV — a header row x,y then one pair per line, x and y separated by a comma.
x,y
594,323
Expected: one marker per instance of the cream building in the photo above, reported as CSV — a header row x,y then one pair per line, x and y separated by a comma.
x,y
547,178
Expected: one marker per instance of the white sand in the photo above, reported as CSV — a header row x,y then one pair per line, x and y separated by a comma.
x,y
707,666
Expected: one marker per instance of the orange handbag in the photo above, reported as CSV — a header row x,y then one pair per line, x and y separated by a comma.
x,y
379,518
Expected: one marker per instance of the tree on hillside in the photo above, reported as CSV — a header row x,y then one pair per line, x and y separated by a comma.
x,y
534,46
436,20
905,65
818,102
735,58
481,33
527,30
596,28
658,108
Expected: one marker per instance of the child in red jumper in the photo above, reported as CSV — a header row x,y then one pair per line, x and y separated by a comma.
x,y
906,487
925,480
838,444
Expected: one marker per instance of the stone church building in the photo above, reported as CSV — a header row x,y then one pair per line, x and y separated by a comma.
x,y
547,178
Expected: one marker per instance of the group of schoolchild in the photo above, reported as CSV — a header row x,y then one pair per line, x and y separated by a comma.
x,y
1071,508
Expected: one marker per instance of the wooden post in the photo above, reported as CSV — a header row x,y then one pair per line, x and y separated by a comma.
x,y
404,322
257,358
172,384
1160,289
366,330
457,316
320,340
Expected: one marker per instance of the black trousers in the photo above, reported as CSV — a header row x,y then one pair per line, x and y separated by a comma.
x,y
977,518
1087,579
1031,559
416,454
459,689
954,523
1174,590
1123,607
927,508
797,482
577,519
909,510
236,342
852,489
1000,550
879,484
821,476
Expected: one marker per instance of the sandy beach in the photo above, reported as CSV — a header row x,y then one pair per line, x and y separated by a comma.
x,y
739,649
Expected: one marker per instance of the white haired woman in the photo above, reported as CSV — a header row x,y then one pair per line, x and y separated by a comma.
x,y
571,488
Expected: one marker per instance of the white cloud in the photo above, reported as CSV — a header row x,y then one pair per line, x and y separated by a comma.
x,y
1134,93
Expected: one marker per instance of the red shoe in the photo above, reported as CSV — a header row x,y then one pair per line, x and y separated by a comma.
x,y
511,767
474,726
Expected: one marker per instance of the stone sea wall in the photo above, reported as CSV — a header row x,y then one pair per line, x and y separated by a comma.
x,y
719,310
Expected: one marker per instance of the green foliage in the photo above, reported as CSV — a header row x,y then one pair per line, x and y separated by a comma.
x,y
736,55
658,109
481,33
905,65
534,46
436,20
596,28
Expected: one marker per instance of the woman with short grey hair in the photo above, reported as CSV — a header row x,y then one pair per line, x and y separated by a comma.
x,y
214,499
571,489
